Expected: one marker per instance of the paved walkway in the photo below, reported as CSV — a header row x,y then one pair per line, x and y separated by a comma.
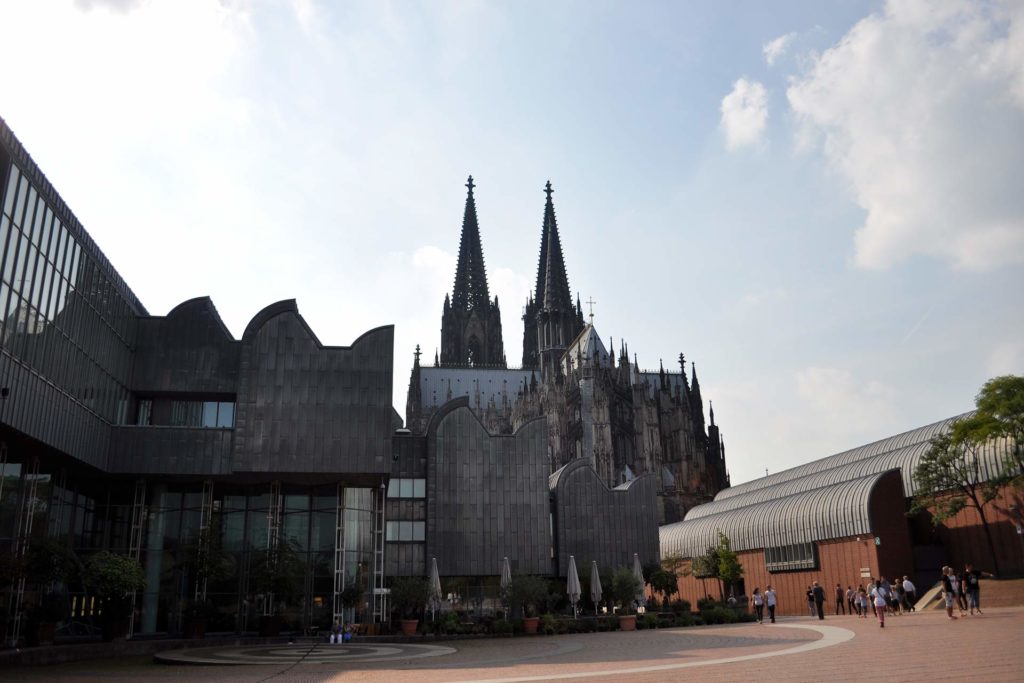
x,y
918,647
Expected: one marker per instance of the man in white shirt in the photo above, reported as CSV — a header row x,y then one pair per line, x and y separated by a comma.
x,y
911,593
769,599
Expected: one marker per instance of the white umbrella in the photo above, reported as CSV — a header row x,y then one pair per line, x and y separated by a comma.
x,y
595,584
638,574
506,580
435,587
572,586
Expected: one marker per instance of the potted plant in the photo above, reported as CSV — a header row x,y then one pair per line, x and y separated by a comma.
x,y
622,591
50,564
113,578
409,595
203,560
525,593
277,574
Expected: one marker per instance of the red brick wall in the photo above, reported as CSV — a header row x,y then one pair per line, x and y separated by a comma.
x,y
964,537
839,561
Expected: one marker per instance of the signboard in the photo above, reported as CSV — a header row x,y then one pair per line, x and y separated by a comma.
x,y
865,572
878,541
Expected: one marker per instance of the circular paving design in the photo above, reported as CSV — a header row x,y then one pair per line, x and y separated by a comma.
x,y
321,653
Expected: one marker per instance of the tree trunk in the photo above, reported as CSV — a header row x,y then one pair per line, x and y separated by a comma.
x,y
988,538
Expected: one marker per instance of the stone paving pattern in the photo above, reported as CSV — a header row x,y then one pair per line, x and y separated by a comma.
x,y
916,647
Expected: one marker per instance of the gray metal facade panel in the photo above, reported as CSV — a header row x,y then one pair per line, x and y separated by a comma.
x,y
188,351
594,522
304,407
486,497
487,384
835,511
161,450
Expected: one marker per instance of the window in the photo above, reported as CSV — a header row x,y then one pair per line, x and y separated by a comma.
x,y
145,412
406,531
407,488
202,414
791,557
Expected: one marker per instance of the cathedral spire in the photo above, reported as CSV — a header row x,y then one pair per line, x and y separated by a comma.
x,y
470,321
470,276
556,296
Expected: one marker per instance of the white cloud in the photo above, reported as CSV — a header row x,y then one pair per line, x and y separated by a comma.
x,y
1006,358
920,109
744,113
774,49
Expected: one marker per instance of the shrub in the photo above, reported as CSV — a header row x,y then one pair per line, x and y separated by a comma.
x,y
503,627
649,621
719,615
706,603
680,606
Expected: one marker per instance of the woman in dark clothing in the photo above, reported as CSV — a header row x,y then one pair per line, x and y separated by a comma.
x,y
810,602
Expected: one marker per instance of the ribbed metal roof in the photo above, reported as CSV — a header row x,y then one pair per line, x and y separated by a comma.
x,y
893,443
834,511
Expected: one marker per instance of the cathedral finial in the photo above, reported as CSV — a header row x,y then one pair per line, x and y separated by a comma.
x,y
416,356
470,184
590,305
547,189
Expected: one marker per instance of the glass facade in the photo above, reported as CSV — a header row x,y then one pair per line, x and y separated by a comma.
x,y
61,314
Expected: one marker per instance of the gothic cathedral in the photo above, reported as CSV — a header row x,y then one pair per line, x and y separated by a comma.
x,y
626,422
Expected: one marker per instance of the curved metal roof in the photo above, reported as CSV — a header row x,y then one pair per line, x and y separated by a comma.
x,y
893,443
835,511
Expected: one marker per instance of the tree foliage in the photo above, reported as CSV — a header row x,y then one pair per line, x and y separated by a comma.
x,y
664,581
111,576
950,476
623,589
729,568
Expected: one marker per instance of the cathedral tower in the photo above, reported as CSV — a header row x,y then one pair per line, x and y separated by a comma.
x,y
550,321
470,321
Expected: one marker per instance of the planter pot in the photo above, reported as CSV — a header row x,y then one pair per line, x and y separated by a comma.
x,y
270,626
409,626
530,624
195,628
627,622
41,633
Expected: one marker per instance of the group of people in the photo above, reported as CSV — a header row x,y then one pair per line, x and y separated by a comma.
x,y
883,597
341,633
761,600
962,590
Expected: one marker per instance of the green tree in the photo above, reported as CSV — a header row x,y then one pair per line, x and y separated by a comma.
x,y
729,568
664,581
1000,415
949,479
623,589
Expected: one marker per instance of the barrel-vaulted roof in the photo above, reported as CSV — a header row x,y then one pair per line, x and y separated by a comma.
x,y
893,443
834,511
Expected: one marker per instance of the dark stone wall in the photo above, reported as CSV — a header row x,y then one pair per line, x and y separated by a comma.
x,y
304,407
189,351
170,450
593,522
487,496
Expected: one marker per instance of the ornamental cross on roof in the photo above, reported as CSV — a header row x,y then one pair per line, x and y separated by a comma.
x,y
590,304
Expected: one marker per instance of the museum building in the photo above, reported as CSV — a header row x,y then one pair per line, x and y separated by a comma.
x,y
139,434
844,520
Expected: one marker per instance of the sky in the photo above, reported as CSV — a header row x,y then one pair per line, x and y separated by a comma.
x,y
819,203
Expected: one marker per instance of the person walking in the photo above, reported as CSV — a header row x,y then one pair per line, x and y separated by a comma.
x,y
758,601
770,600
818,593
809,596
954,580
880,601
972,578
851,601
840,600
862,597
899,596
911,592
947,591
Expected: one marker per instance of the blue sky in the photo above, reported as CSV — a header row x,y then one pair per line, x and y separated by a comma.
x,y
818,203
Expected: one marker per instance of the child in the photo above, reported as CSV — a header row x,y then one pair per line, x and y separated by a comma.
x,y
863,600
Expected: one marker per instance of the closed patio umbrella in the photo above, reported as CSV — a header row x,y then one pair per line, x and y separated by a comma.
x,y
572,585
595,584
506,580
435,588
638,574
